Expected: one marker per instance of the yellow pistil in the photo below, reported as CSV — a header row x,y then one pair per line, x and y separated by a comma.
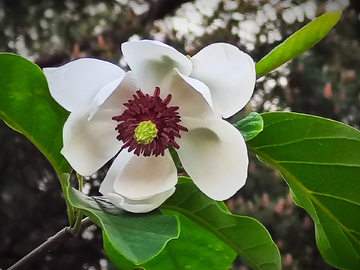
x,y
145,132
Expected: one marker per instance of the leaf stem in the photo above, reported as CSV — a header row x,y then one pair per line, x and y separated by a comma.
x,y
64,182
69,208
76,227
80,181
49,244
78,222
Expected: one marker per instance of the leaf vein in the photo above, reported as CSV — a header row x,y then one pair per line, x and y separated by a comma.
x,y
317,163
334,197
306,139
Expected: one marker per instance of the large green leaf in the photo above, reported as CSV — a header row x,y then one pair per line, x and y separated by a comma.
x,y
210,236
298,42
320,161
27,107
196,248
138,237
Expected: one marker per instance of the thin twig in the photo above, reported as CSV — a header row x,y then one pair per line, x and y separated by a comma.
x,y
48,245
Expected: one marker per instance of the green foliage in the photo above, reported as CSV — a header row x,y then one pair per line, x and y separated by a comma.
x,y
138,237
298,42
250,126
210,236
27,106
320,161
196,248
245,235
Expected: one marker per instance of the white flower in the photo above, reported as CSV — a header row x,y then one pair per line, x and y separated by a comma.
x,y
166,99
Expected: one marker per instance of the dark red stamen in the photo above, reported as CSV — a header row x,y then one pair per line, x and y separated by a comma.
x,y
149,108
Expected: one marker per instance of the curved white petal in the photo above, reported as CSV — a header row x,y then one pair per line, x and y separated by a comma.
x,y
76,83
89,144
191,96
115,94
153,62
229,73
139,206
138,177
214,154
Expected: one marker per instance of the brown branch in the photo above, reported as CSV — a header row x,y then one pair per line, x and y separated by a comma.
x,y
48,245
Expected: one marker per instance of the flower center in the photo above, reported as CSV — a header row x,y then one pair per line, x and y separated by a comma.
x,y
145,132
148,125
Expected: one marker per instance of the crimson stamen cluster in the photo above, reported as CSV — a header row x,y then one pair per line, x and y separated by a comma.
x,y
149,108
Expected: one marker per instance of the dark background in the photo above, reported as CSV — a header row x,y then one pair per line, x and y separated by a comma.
x,y
322,81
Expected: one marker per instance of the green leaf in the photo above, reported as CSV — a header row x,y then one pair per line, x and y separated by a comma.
x,y
27,107
250,126
196,248
320,161
210,237
138,237
298,42
244,235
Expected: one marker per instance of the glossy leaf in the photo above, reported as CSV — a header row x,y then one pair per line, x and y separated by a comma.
x,y
210,236
297,43
250,126
138,237
320,161
196,248
27,107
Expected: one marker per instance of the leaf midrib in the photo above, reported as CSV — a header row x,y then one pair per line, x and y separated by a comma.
x,y
322,138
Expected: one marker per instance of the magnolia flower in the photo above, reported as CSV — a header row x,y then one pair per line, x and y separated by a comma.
x,y
167,99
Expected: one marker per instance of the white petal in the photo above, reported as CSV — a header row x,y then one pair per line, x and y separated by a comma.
x,y
191,96
76,83
153,62
214,154
89,144
115,94
229,73
139,177
139,206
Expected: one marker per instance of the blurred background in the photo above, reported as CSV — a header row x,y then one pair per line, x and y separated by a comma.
x,y
322,81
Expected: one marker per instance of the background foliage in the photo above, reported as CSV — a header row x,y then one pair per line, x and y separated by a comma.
x,y
323,81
